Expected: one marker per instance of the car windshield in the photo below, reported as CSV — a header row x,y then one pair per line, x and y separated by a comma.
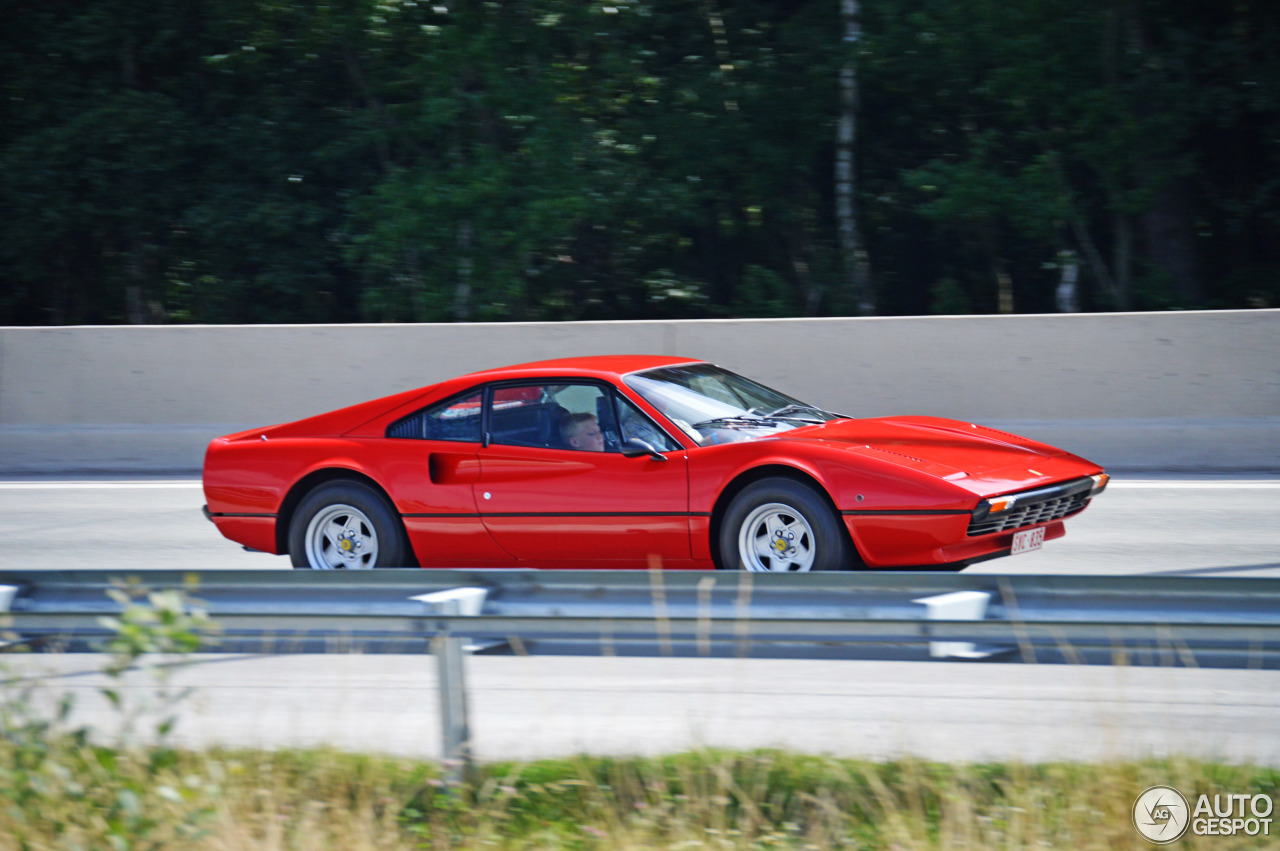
x,y
713,405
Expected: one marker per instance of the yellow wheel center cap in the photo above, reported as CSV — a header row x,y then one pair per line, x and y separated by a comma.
x,y
346,544
780,545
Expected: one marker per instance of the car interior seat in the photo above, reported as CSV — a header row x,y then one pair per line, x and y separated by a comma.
x,y
551,418
608,420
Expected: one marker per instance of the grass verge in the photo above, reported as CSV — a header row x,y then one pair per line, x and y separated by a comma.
x,y
69,794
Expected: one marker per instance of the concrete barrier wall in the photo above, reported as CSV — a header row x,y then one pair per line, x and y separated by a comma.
x,y
1172,391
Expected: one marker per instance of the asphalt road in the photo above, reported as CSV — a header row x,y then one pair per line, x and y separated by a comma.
x,y
1141,524
542,706
566,704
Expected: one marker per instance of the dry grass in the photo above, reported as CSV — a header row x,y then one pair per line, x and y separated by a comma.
x,y
288,801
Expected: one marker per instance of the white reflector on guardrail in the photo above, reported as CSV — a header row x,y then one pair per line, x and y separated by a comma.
x,y
455,601
958,606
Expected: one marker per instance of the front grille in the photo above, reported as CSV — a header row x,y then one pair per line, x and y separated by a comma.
x,y
1039,506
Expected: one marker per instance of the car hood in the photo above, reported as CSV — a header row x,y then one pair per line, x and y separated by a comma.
x,y
982,460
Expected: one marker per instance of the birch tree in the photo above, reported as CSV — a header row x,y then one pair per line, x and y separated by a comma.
x,y
853,255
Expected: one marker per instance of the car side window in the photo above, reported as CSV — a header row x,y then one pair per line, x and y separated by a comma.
x,y
454,419
633,422
552,415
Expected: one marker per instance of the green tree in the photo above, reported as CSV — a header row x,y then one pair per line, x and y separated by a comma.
x,y
389,160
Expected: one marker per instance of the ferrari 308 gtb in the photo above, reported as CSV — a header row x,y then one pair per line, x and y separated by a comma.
x,y
628,461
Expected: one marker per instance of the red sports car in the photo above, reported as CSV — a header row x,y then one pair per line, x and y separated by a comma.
x,y
616,461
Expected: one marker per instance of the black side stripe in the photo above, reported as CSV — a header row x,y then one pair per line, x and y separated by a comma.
x,y
848,513
567,514
894,512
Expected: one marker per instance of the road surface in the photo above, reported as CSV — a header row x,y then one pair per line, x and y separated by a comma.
x,y
1141,524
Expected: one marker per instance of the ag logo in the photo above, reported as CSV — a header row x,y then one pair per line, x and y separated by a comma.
x,y
1161,815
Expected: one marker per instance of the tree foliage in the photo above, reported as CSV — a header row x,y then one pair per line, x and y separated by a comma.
x,y
397,160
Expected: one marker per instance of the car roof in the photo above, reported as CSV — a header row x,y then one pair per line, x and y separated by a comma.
x,y
596,366
601,367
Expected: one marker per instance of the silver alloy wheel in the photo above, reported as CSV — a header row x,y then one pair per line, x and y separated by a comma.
x,y
775,537
341,537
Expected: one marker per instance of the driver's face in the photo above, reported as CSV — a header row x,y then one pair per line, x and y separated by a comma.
x,y
589,437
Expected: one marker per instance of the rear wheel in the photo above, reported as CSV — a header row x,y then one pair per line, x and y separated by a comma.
x,y
345,526
780,525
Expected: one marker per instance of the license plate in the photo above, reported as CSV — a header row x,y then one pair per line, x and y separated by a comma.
x,y
1028,540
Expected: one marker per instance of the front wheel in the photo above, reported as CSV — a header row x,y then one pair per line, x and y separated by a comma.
x,y
345,526
780,525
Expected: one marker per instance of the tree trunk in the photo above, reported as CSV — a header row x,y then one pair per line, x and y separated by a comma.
x,y
854,257
810,292
1067,294
133,305
134,287
462,295
1097,265
1123,237
1169,231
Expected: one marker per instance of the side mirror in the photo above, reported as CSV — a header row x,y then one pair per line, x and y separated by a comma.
x,y
634,447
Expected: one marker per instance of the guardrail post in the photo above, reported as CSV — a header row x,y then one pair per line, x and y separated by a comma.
x,y
958,606
449,652
7,593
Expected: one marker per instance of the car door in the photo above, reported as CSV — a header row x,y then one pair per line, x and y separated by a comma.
x,y
432,465
556,490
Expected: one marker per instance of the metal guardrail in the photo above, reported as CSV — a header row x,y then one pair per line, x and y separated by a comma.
x,y
955,615
315,609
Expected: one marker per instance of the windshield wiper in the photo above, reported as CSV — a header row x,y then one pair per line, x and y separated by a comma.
x,y
758,416
738,421
795,406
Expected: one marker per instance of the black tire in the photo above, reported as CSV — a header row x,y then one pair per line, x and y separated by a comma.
x,y
362,520
816,542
